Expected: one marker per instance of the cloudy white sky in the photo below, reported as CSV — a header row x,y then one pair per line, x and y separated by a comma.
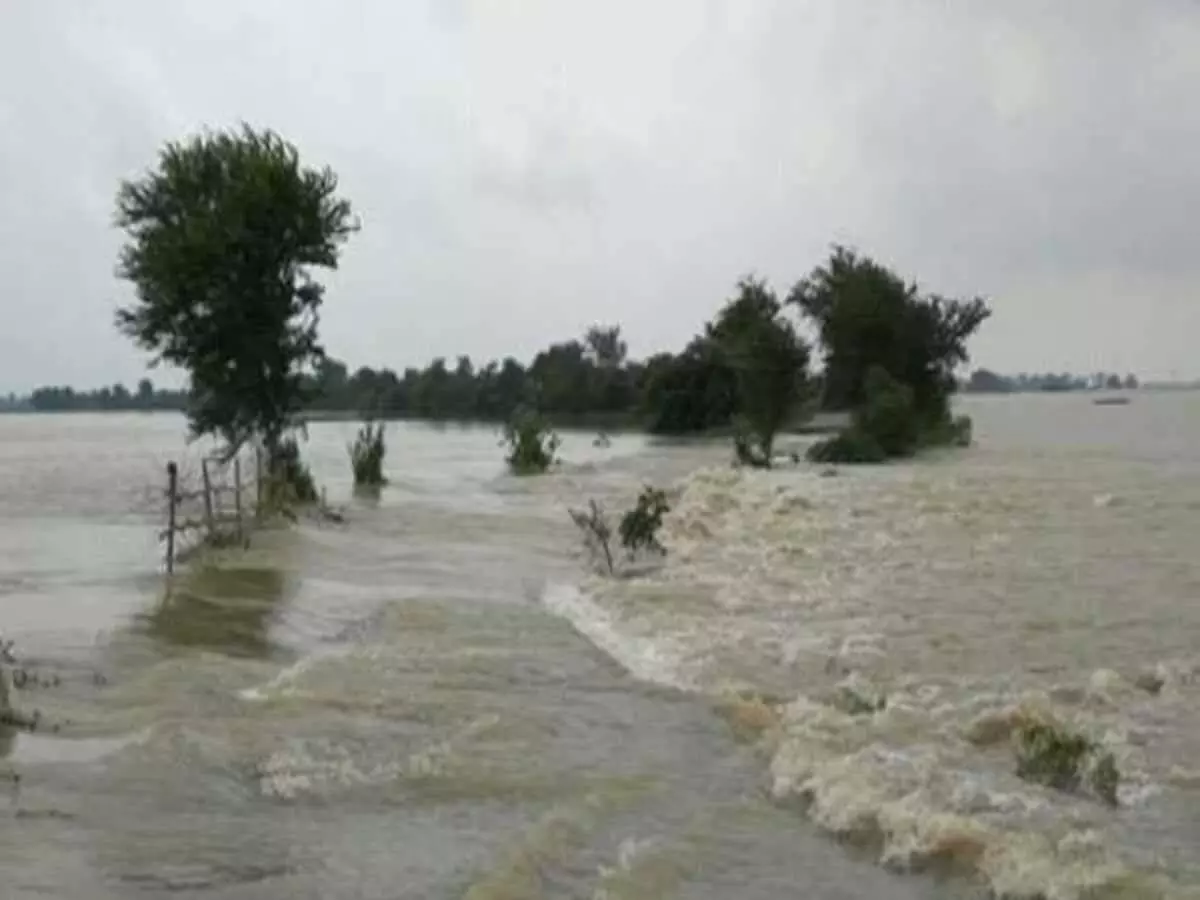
x,y
527,167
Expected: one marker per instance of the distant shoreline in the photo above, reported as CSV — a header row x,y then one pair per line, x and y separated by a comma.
x,y
613,423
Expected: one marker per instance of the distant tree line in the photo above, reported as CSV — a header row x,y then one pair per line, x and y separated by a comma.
x,y
983,381
587,378
746,368
113,398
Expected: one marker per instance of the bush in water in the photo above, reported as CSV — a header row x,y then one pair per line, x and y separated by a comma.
x,y
847,446
289,480
1051,755
888,426
597,532
366,456
637,531
639,526
532,445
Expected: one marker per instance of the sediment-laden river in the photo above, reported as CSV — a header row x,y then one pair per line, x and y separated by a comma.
x,y
437,699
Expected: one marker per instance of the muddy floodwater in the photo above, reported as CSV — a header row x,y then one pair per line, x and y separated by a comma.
x,y
439,699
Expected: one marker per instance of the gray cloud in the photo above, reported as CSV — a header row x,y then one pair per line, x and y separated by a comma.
x,y
524,169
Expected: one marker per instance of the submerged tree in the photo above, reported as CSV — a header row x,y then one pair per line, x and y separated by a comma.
x,y
769,362
868,317
748,367
222,238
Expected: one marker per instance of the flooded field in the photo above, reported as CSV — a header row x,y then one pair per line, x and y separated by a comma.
x,y
438,699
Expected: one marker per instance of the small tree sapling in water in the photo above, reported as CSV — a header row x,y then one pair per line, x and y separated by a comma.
x,y
289,480
532,445
366,456
639,526
637,530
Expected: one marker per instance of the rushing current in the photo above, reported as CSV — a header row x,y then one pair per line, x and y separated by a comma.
x,y
441,698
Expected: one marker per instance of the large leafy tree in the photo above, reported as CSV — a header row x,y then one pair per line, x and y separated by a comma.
x,y
749,364
867,316
769,361
223,235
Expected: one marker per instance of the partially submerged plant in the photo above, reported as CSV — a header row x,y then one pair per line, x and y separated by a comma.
x,y
1061,759
888,425
640,526
597,532
850,445
532,445
749,450
289,480
637,531
366,456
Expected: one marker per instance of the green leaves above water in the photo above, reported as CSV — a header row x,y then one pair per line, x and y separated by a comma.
x,y
1066,761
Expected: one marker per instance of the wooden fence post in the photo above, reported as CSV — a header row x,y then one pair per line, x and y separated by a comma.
x,y
258,481
208,497
237,495
172,502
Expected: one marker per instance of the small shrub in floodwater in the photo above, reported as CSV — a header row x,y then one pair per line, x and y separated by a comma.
x,y
532,445
289,480
1057,758
366,456
637,531
640,526
597,532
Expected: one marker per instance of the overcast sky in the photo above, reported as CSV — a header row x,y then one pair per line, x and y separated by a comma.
x,y
527,167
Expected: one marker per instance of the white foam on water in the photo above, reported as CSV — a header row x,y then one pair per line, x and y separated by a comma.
x,y
818,583
649,659
287,677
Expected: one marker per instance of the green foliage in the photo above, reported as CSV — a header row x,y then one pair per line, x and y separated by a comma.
x,y
949,432
748,368
597,533
890,358
850,445
885,426
532,445
222,237
769,362
1053,756
112,397
289,481
640,526
868,317
888,414
637,531
693,392
366,456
